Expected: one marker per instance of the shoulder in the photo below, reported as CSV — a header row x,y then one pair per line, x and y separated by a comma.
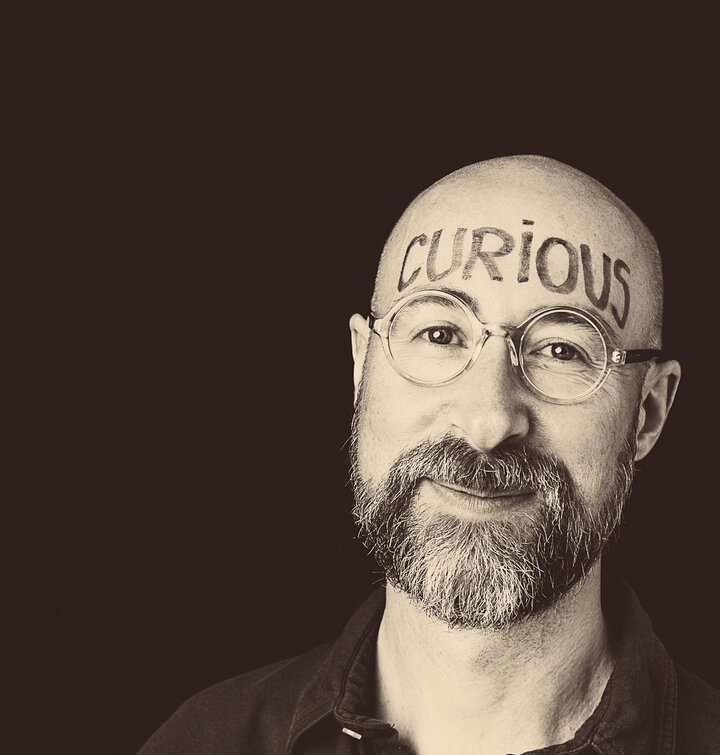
x,y
698,714
254,709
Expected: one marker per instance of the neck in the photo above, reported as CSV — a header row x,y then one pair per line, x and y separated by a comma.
x,y
497,691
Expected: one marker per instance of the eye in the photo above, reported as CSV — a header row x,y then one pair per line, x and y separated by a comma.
x,y
562,351
560,354
442,335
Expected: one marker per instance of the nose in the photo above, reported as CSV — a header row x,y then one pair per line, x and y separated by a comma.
x,y
489,407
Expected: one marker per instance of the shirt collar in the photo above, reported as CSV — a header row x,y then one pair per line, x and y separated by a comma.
x,y
636,712
344,683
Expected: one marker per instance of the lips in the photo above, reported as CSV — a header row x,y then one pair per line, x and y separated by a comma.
x,y
502,493
470,503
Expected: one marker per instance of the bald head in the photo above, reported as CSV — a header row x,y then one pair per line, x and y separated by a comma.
x,y
537,233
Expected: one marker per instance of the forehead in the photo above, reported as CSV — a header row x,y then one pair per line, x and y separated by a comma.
x,y
516,250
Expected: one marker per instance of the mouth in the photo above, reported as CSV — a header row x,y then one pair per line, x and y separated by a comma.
x,y
484,503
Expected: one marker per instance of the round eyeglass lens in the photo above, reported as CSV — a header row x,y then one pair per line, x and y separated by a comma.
x,y
563,355
431,339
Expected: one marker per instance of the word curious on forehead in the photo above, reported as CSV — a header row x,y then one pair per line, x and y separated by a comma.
x,y
488,244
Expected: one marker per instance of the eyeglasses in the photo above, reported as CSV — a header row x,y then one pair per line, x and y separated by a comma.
x,y
432,337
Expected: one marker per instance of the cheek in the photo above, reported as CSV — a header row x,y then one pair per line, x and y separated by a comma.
x,y
590,439
394,414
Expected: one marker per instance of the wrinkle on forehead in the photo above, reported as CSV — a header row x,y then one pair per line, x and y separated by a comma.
x,y
556,200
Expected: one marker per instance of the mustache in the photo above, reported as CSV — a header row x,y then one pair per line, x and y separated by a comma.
x,y
454,461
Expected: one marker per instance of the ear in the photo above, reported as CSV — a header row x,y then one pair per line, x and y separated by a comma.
x,y
659,388
359,335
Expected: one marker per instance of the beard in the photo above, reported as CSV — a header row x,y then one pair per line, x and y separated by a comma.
x,y
484,574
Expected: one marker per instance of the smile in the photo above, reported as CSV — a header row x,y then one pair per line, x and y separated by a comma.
x,y
472,503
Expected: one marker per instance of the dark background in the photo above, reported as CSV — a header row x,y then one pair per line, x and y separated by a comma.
x,y
205,195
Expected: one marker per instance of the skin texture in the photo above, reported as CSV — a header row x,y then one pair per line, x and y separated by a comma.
x,y
534,684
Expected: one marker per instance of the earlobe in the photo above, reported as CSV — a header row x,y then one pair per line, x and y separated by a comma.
x,y
359,335
659,389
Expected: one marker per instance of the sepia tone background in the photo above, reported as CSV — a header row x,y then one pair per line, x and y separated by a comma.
x,y
207,193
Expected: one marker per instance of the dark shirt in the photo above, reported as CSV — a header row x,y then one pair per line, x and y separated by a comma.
x,y
322,702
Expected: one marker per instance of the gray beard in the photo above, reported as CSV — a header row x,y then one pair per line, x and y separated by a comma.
x,y
484,574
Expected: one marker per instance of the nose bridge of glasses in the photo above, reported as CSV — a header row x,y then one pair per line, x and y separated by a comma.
x,y
499,331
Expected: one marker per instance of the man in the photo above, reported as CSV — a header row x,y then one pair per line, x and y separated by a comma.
x,y
508,378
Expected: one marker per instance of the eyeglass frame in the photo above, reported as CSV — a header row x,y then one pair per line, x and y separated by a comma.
x,y
513,335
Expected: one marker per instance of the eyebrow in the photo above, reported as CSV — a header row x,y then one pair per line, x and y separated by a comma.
x,y
468,299
606,324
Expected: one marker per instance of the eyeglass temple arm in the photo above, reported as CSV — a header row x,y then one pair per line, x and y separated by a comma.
x,y
618,356
372,321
